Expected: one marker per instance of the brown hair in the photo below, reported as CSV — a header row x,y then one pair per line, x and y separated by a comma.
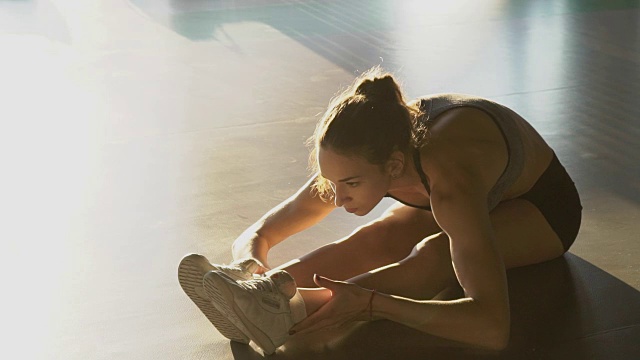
x,y
369,119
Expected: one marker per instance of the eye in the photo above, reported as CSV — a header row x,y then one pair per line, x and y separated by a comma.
x,y
352,184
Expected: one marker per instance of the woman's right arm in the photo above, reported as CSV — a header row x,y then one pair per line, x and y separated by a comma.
x,y
299,212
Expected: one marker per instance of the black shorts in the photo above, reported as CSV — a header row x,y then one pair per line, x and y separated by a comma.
x,y
556,196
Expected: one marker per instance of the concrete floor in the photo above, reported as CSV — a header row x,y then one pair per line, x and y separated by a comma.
x,y
134,132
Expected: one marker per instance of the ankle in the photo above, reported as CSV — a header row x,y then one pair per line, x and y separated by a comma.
x,y
298,308
314,298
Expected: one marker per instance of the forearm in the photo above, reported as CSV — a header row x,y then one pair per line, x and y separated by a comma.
x,y
251,245
274,227
293,215
464,320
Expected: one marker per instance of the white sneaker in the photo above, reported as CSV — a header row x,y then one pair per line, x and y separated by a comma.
x,y
192,269
259,307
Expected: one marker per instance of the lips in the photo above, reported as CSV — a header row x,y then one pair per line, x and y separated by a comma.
x,y
351,210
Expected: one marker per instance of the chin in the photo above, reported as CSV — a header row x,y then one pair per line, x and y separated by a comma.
x,y
361,212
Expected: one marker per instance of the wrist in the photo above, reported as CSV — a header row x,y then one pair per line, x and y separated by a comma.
x,y
380,306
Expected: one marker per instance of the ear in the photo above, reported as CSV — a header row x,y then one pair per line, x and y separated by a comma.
x,y
395,164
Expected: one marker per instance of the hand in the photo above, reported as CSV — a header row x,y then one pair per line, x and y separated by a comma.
x,y
263,267
349,302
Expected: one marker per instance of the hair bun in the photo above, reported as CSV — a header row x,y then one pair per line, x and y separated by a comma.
x,y
379,89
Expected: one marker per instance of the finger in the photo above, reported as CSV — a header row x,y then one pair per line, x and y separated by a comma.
x,y
326,282
263,267
326,323
320,315
310,321
319,325
261,270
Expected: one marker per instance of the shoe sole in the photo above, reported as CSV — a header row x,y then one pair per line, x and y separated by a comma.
x,y
190,276
218,288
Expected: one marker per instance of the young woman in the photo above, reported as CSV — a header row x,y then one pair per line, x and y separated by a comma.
x,y
478,191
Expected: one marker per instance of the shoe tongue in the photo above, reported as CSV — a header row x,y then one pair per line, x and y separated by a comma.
x,y
284,283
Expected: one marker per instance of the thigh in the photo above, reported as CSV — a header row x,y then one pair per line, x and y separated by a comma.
x,y
385,240
405,227
523,235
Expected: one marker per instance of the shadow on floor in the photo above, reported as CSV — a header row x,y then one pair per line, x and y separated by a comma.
x,y
563,309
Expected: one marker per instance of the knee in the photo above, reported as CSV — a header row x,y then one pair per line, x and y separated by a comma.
x,y
432,248
379,241
373,234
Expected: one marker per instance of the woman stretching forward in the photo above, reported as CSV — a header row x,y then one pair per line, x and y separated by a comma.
x,y
478,191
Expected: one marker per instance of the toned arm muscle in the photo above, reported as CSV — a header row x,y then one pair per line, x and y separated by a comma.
x,y
459,203
299,212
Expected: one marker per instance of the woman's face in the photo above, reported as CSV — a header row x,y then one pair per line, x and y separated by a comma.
x,y
358,185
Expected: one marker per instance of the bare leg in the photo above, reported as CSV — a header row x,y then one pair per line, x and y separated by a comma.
x,y
425,273
422,275
522,234
314,298
385,241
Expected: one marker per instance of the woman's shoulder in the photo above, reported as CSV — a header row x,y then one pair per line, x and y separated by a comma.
x,y
459,125
464,142
458,131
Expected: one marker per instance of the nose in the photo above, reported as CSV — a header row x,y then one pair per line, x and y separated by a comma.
x,y
341,198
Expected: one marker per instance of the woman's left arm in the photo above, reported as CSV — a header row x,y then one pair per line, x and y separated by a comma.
x,y
482,316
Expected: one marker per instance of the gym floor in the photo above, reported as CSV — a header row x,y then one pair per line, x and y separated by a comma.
x,y
137,131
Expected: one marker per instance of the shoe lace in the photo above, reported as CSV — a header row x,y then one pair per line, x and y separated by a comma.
x,y
262,285
237,267
233,267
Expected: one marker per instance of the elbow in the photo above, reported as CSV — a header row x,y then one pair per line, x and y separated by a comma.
x,y
498,341
495,325
497,336
493,329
